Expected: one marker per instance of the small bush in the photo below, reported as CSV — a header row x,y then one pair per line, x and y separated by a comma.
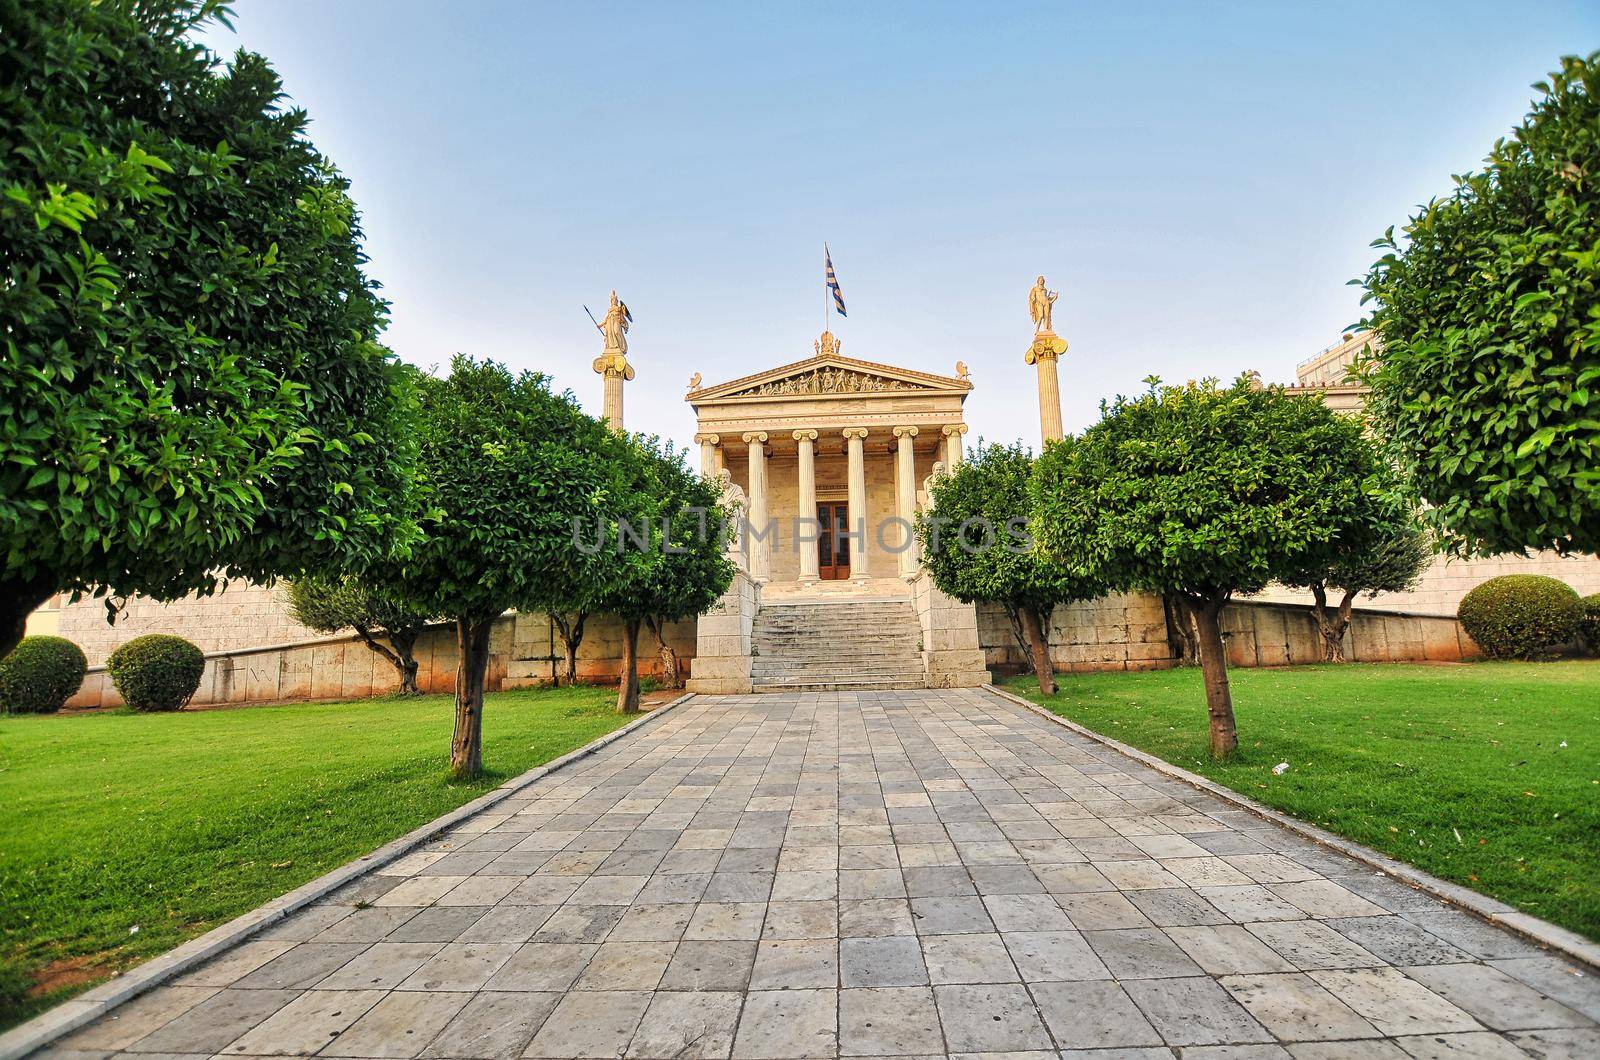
x,y
1521,616
1591,622
40,675
156,671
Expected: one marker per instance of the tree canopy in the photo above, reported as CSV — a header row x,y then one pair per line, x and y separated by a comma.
x,y
330,604
511,470
1487,387
1383,548
192,384
976,546
666,558
1202,490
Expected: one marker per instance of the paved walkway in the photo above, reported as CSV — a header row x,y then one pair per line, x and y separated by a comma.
x,y
877,874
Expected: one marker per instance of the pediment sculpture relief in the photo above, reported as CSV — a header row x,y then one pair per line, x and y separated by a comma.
x,y
828,381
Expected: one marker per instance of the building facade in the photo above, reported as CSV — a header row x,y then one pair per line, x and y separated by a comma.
x,y
828,460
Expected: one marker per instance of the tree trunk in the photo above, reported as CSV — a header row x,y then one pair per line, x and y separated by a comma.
x,y
1020,637
1331,626
472,672
1182,637
628,683
1039,648
1214,665
405,645
571,634
671,672
19,598
1345,604
405,667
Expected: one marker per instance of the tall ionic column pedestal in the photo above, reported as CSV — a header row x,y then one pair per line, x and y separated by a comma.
x,y
1047,348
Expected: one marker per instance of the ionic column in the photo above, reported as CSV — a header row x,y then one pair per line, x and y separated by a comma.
x,y
856,500
708,454
760,560
952,446
906,497
806,515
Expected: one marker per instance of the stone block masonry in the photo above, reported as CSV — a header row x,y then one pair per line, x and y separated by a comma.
x,y
523,650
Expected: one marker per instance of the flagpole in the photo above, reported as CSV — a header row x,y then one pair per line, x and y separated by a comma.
x,y
827,295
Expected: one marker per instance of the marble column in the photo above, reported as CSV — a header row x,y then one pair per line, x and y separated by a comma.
x,y
760,536
952,446
1043,355
708,454
614,370
856,500
906,498
806,507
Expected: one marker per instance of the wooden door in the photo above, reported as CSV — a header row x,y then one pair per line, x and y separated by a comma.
x,y
833,548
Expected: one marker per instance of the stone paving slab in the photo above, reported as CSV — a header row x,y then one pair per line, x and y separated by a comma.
x,y
876,874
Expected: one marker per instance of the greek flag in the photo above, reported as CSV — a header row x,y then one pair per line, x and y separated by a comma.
x,y
833,282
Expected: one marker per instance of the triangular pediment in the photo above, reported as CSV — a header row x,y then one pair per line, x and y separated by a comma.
x,y
830,375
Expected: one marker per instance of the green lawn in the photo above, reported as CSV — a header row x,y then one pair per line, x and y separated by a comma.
x,y
123,835
1487,774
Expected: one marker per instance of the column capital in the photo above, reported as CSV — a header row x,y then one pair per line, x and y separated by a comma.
x,y
752,437
905,432
707,439
953,428
855,432
805,435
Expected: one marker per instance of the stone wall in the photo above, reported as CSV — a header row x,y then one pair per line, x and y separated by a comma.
x,y
1129,632
241,616
520,654
723,641
1124,631
951,654
1442,586
1262,634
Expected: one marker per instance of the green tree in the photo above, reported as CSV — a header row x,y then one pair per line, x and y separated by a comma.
x,y
666,554
1204,491
1487,388
975,546
1384,552
330,604
510,469
192,386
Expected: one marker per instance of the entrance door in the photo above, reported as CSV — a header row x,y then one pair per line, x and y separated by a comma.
x,y
833,548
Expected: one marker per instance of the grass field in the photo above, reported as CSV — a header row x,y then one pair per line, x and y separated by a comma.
x,y
123,835
1487,774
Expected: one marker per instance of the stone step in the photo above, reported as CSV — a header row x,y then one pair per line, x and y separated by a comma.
x,y
837,645
838,684
830,671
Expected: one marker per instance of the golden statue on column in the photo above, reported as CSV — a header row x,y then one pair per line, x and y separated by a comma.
x,y
612,364
1047,347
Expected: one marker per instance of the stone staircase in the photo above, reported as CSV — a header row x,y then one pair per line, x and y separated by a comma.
x,y
837,646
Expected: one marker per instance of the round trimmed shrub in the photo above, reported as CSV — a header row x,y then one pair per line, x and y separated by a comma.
x,y
1591,622
40,675
1521,616
156,671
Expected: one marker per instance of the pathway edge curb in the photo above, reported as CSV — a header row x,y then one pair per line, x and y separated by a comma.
x,y
1542,932
68,1016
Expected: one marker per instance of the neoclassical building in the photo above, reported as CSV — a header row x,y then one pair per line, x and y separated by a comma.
x,y
833,453
829,459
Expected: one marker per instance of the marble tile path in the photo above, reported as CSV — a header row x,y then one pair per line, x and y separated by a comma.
x,y
921,873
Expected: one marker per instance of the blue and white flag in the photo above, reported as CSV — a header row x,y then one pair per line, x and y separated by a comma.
x,y
833,282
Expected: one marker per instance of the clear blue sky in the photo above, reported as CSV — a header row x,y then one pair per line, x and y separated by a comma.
x,y
1199,179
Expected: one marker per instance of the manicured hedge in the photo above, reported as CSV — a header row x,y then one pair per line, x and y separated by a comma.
x,y
1591,622
1521,616
40,675
156,671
